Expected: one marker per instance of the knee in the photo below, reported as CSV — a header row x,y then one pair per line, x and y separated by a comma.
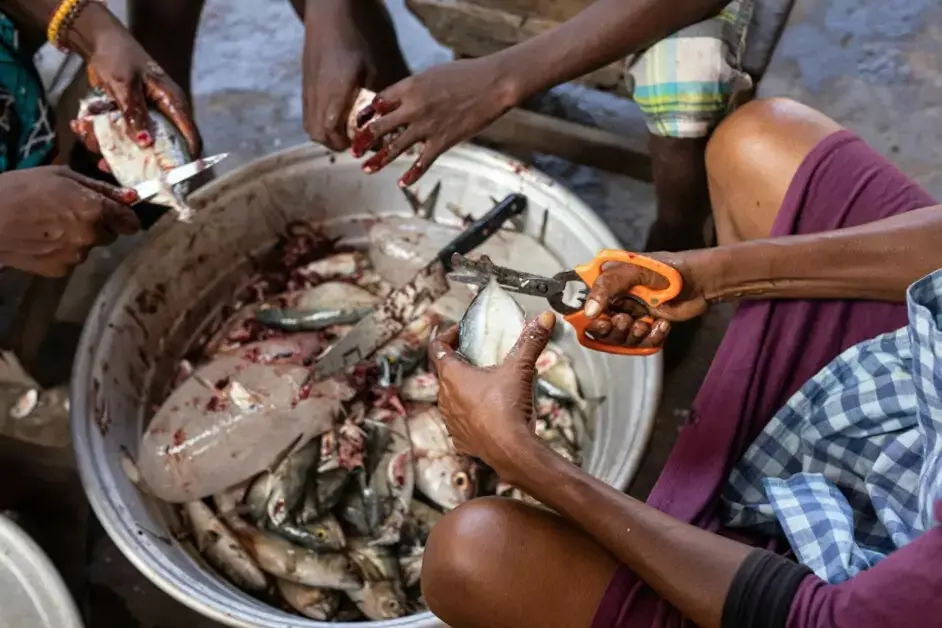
x,y
764,133
463,548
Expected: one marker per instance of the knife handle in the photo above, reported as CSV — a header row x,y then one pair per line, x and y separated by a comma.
x,y
483,228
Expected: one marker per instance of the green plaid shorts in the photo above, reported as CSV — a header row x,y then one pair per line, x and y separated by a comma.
x,y
684,84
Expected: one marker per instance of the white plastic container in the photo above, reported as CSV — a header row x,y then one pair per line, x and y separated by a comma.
x,y
150,308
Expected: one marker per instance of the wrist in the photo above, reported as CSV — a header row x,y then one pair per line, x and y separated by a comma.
x,y
509,86
90,26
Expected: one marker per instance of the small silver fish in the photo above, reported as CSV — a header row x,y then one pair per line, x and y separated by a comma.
x,y
288,561
442,474
288,481
382,596
491,326
309,320
319,604
321,535
221,548
322,494
130,163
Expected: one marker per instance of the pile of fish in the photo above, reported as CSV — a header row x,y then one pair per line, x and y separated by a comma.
x,y
319,497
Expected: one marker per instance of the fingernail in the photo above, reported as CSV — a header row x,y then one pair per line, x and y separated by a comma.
x,y
592,308
546,320
409,177
128,195
662,325
144,137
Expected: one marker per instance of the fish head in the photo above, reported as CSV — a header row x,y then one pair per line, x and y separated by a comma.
x,y
327,534
383,599
449,479
321,604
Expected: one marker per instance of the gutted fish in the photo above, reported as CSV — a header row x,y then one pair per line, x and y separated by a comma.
x,y
491,326
333,295
441,473
233,418
319,604
130,163
420,387
222,549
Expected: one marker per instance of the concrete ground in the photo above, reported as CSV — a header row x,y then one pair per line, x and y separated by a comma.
x,y
873,66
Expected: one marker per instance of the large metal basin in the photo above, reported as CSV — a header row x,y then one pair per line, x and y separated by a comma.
x,y
152,306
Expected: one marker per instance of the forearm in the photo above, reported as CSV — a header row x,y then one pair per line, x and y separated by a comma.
x,y
603,32
91,22
691,568
874,261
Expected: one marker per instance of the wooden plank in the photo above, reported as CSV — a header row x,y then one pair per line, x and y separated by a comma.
x,y
476,31
559,10
527,130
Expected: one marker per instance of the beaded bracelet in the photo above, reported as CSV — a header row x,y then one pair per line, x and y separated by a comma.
x,y
63,18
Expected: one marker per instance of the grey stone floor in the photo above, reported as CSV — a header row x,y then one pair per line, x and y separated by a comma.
x,y
873,66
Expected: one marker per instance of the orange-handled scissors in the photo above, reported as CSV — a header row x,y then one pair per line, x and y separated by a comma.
x,y
553,288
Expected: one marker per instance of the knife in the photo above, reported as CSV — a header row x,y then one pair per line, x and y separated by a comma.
x,y
407,303
149,189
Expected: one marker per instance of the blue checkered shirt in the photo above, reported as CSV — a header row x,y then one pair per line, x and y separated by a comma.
x,y
849,469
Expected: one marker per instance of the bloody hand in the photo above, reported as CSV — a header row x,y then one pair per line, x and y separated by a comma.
x,y
50,217
441,107
337,62
624,326
488,410
121,67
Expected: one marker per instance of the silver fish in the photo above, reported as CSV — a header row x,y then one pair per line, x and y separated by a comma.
x,y
321,535
130,163
382,596
391,485
287,561
319,604
410,564
222,549
288,481
322,494
491,326
442,474
309,320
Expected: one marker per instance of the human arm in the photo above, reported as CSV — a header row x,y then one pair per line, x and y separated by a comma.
x,y
118,64
876,261
50,217
450,103
487,413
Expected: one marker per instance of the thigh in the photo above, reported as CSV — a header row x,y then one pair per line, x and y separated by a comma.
x,y
684,84
494,563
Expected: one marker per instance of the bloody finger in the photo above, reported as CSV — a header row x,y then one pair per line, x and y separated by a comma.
x,y
425,159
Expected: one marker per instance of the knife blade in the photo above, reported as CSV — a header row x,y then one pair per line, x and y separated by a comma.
x,y
149,189
407,303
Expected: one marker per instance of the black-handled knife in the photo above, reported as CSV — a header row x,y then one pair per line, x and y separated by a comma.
x,y
407,303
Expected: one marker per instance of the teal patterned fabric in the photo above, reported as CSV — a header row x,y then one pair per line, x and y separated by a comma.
x,y
27,130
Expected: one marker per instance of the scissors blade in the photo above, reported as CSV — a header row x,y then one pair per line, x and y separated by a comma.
x,y
479,272
149,189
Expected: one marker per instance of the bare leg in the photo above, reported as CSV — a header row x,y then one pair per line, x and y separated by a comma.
x,y
680,186
496,563
751,160
167,31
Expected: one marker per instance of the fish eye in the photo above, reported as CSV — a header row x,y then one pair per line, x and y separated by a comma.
x,y
321,534
393,606
460,479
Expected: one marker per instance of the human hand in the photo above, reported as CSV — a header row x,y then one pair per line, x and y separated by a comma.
x,y
120,66
50,217
624,325
337,62
440,107
488,410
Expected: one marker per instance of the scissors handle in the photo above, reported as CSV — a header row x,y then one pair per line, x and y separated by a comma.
x,y
651,297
